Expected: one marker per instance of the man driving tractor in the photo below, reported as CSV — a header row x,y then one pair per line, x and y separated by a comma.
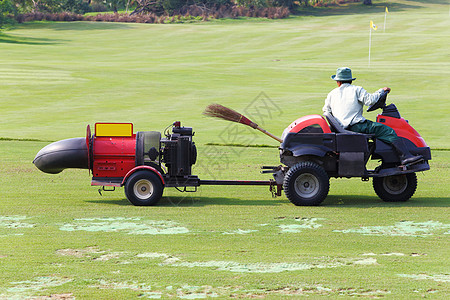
x,y
346,104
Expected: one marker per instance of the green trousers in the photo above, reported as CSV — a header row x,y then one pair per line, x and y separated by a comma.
x,y
381,131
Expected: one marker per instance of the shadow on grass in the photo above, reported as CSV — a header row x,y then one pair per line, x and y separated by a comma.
x,y
356,8
359,201
9,39
122,202
344,201
75,26
186,201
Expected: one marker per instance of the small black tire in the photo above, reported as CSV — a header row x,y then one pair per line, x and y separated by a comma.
x,y
396,188
144,188
306,184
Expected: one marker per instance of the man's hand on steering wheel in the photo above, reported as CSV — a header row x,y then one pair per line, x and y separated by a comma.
x,y
381,103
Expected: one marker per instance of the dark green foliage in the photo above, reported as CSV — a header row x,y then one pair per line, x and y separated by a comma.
x,y
327,3
6,10
34,6
253,3
208,3
115,5
75,6
174,6
170,6
286,3
98,7
268,3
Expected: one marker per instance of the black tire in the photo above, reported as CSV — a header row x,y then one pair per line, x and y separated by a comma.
x,y
306,184
144,188
397,188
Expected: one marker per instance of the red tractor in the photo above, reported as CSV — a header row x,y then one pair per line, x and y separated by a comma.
x,y
312,150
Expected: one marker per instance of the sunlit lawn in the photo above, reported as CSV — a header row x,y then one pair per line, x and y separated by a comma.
x,y
60,237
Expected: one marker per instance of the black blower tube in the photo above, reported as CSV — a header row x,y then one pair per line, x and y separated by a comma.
x,y
64,154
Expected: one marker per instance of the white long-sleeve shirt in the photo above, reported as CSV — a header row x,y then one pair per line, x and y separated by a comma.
x,y
346,103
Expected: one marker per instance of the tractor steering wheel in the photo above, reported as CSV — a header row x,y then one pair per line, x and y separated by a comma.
x,y
381,103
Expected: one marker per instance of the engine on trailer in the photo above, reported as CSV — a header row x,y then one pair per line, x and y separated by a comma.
x,y
178,151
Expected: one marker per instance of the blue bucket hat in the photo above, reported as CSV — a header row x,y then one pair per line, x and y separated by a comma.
x,y
343,74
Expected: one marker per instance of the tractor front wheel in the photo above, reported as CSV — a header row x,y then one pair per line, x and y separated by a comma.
x,y
144,188
397,188
306,184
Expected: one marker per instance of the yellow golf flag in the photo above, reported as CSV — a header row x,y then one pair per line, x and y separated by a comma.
x,y
387,10
373,26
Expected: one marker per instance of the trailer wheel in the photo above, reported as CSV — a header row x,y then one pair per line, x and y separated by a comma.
x,y
306,183
397,188
144,188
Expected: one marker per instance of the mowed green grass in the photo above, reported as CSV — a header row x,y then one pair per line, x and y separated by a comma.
x,y
60,237
58,77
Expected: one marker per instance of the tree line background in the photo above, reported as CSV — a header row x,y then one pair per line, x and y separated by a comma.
x,y
12,11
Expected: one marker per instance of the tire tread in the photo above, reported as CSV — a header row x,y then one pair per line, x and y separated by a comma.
x,y
306,167
388,197
157,186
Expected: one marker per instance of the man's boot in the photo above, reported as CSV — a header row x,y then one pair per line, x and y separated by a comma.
x,y
403,153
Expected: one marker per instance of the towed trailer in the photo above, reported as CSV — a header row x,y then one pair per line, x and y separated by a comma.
x,y
144,163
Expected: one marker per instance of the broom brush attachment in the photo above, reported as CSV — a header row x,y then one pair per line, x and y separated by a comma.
x,y
228,114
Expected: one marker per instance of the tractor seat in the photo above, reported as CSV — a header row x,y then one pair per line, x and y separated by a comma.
x,y
336,126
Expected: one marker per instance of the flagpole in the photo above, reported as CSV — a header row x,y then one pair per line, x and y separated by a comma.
x,y
385,16
370,41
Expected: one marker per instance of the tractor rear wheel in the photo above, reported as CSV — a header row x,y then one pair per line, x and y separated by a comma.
x,y
306,184
144,188
397,188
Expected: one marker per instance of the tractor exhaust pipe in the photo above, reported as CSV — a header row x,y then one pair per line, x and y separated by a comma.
x,y
64,154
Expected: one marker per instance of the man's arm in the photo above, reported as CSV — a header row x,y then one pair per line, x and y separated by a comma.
x,y
369,99
327,108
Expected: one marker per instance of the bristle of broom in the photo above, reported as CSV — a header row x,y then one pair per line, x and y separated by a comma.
x,y
222,112
225,113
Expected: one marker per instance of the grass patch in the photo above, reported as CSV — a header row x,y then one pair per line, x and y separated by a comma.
x,y
60,238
